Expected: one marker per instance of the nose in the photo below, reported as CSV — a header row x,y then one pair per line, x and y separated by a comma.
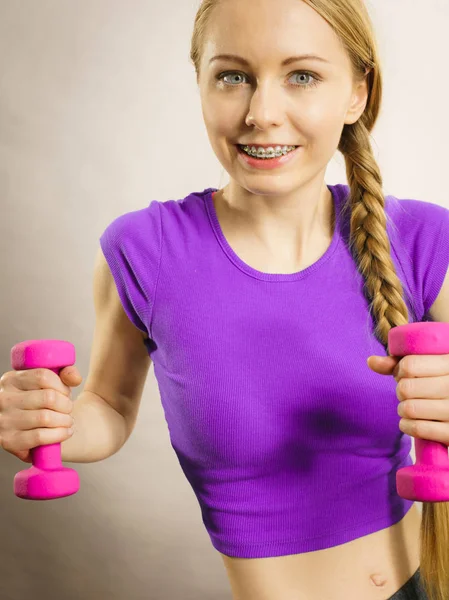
x,y
266,109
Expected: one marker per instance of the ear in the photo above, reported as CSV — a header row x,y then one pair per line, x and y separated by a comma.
x,y
358,103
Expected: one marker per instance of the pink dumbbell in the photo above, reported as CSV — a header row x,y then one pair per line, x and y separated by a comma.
x,y
428,479
47,478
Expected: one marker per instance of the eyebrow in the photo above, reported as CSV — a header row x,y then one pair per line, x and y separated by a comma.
x,y
287,61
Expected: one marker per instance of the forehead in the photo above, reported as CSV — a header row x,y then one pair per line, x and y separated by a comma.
x,y
270,30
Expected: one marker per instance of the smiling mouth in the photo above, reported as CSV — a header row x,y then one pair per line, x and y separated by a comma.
x,y
265,146
276,152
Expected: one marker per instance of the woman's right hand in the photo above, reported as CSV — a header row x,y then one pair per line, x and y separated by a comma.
x,y
35,409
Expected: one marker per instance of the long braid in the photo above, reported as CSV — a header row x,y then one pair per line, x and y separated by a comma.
x,y
369,242
370,247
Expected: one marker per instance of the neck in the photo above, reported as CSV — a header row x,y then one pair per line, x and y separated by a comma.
x,y
295,224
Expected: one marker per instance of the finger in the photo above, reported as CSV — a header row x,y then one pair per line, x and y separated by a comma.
x,y
384,365
24,440
24,455
34,379
424,387
430,410
424,365
426,430
71,376
36,419
381,362
46,398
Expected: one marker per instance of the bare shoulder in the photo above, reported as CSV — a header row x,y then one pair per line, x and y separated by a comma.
x,y
440,308
119,361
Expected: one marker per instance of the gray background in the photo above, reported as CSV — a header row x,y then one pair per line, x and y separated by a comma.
x,y
100,114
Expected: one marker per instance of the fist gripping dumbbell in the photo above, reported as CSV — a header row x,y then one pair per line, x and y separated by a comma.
x,y
428,479
47,478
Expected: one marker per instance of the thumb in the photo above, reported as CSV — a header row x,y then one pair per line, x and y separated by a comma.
x,y
70,376
384,365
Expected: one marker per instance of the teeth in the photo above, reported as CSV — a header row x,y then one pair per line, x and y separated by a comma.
x,y
270,152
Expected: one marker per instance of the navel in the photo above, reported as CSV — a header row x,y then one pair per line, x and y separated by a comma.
x,y
378,580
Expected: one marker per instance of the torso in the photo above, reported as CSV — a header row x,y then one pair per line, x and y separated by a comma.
x,y
372,567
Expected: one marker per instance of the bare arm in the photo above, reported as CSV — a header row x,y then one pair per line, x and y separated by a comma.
x,y
100,431
105,412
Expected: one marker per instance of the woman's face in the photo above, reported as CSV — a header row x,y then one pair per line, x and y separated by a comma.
x,y
304,103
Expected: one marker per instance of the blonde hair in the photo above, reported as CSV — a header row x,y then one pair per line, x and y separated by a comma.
x,y
369,242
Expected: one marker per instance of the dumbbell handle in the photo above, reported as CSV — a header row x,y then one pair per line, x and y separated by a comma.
x,y
47,478
49,456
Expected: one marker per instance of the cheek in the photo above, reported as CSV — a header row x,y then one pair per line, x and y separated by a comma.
x,y
320,114
218,131
222,125
221,117
321,123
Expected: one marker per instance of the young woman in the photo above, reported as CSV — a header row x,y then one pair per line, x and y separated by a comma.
x,y
259,305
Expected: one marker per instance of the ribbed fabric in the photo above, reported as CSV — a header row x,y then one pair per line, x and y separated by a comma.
x,y
289,441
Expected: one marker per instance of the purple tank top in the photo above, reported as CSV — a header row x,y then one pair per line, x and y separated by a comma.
x,y
289,441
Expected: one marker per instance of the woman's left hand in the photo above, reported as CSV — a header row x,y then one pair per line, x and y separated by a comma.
x,y
422,390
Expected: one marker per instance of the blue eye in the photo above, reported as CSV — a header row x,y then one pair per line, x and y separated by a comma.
x,y
315,82
307,74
